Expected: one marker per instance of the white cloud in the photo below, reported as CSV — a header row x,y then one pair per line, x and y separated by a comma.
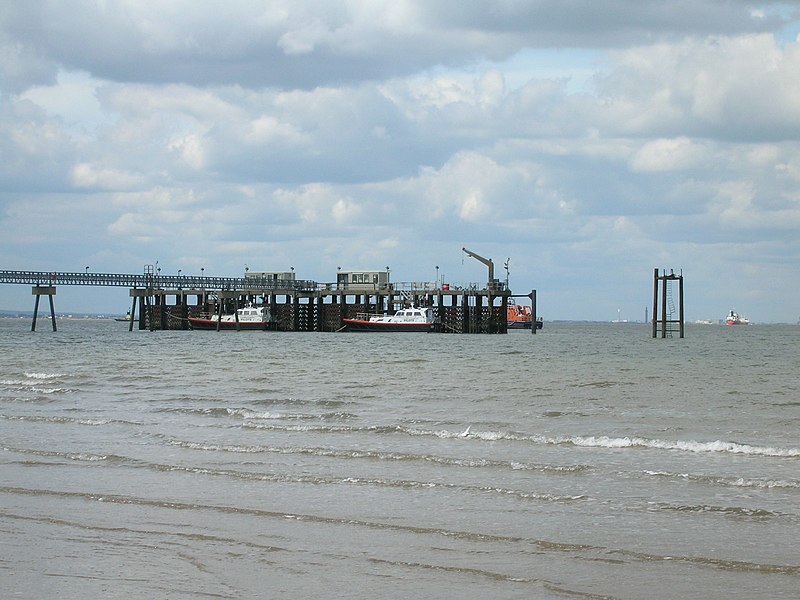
x,y
304,39
269,129
89,175
315,204
345,211
192,150
734,87
447,96
460,188
668,155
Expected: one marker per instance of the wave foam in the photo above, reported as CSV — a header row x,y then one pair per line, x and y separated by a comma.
x,y
604,441
578,440
44,375
685,446
729,481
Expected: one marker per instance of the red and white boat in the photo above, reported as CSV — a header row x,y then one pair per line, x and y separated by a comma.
x,y
404,320
249,317
735,318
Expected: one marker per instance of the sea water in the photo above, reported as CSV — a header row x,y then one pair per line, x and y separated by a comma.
x,y
586,461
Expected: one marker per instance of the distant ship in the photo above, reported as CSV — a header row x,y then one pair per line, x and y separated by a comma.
x,y
734,318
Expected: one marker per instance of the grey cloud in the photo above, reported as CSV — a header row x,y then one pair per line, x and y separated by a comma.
x,y
303,45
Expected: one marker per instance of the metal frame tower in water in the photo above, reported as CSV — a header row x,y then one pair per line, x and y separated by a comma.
x,y
665,321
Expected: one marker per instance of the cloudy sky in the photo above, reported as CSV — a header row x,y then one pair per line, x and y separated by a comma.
x,y
585,142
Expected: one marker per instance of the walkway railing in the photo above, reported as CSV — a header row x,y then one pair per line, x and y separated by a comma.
x,y
193,282
43,278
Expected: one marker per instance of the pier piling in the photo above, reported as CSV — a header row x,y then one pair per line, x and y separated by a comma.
x,y
39,291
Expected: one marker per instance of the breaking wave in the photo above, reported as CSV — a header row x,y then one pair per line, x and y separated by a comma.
x,y
380,456
684,446
729,481
580,441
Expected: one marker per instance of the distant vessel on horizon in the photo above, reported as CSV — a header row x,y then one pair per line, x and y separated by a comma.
x,y
735,318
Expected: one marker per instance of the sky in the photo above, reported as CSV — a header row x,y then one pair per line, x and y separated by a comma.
x,y
582,143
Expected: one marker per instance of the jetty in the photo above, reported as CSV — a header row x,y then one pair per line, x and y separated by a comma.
x,y
165,302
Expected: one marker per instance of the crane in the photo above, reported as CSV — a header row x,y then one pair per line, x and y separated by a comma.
x,y
487,261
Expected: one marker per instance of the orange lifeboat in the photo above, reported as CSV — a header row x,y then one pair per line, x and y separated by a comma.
x,y
518,316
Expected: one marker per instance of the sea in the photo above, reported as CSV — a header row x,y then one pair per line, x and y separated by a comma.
x,y
586,461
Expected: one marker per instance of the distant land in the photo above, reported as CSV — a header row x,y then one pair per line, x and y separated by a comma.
x,y
45,314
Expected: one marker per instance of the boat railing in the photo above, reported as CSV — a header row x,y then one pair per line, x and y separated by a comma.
x,y
366,316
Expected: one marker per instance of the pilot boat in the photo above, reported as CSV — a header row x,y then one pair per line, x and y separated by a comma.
x,y
406,319
249,317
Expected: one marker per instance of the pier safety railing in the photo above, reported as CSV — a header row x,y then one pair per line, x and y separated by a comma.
x,y
196,282
145,280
